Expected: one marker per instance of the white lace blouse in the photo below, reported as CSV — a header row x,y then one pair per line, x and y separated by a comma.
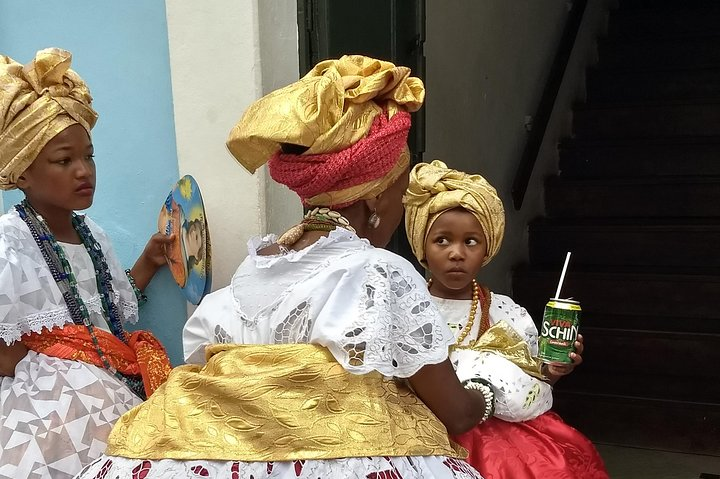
x,y
29,296
518,396
368,306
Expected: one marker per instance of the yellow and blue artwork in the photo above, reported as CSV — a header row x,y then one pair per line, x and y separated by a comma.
x,y
189,255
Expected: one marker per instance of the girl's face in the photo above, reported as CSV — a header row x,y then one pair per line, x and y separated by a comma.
x,y
455,249
62,177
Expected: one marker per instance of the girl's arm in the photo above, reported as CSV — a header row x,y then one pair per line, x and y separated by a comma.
x,y
459,409
10,356
151,260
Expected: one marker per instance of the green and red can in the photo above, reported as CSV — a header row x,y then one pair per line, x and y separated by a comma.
x,y
559,330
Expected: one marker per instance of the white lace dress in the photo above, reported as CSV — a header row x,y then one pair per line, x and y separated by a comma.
x,y
55,414
368,306
518,396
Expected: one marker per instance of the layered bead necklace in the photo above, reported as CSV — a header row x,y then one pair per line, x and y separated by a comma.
x,y
317,219
63,275
478,294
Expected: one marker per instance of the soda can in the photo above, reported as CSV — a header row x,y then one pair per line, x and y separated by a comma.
x,y
559,330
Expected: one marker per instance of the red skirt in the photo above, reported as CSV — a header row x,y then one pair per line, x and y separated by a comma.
x,y
540,448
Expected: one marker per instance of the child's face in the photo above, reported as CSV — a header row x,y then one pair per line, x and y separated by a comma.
x,y
455,249
62,177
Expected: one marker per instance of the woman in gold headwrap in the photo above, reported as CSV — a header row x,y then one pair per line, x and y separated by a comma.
x,y
68,369
455,223
301,363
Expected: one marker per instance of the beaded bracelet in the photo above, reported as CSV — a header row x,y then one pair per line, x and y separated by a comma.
x,y
141,298
484,386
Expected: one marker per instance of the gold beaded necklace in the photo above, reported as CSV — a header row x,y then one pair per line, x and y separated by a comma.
x,y
478,293
318,219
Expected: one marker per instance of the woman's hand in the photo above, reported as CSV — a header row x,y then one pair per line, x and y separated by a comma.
x,y
152,258
555,371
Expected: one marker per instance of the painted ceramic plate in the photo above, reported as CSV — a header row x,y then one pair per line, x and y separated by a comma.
x,y
189,256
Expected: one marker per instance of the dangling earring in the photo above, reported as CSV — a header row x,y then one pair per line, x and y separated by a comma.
x,y
374,220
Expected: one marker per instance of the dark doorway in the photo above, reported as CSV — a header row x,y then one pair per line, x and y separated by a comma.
x,y
392,30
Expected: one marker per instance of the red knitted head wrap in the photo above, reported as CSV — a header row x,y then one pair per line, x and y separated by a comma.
x,y
363,162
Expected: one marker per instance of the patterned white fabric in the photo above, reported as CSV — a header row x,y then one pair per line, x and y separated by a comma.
x,y
55,414
369,307
30,299
518,396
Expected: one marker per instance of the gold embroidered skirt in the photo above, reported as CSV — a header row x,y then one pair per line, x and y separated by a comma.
x,y
278,403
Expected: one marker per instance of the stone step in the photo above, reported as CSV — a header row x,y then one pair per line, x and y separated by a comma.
x,y
631,243
617,85
649,53
647,120
668,197
619,158
659,21
628,362
631,293
677,426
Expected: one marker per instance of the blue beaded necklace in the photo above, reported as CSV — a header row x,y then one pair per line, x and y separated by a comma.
x,y
62,273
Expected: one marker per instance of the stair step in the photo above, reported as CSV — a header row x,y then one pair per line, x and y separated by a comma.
x,y
646,355
639,322
649,384
640,158
678,426
636,243
700,118
666,4
612,85
691,197
664,21
672,52
620,292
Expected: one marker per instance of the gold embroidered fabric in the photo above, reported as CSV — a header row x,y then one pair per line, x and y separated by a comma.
x,y
329,109
38,101
434,189
278,403
504,341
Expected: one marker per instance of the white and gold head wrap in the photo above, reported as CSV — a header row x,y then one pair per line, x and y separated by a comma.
x,y
434,189
38,101
350,119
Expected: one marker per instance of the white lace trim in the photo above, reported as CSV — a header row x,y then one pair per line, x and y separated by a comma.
x,y
34,323
396,330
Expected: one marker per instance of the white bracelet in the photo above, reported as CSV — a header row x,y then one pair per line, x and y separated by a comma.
x,y
479,384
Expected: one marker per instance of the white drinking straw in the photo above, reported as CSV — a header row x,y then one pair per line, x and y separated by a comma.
x,y
562,276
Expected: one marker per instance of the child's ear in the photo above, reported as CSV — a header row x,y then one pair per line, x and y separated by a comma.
x,y
21,182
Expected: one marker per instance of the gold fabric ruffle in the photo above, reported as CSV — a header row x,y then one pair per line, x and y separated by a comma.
x,y
504,341
329,109
38,101
434,189
278,403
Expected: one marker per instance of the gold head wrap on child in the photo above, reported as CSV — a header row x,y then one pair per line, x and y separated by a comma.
x,y
349,118
38,101
434,189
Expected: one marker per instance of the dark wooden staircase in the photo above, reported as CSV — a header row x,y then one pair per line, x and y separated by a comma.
x,y
637,201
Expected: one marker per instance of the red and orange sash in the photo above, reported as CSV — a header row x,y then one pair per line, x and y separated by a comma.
x,y
143,355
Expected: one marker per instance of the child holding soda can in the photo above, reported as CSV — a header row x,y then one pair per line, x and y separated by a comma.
x,y
455,224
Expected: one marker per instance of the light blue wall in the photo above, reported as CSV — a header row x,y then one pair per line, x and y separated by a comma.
x,y
120,48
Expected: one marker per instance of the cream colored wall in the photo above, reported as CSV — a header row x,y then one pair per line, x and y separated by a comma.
x,y
487,63
223,56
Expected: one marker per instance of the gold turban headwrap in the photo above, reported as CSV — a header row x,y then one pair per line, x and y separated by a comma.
x,y
434,189
350,118
38,101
